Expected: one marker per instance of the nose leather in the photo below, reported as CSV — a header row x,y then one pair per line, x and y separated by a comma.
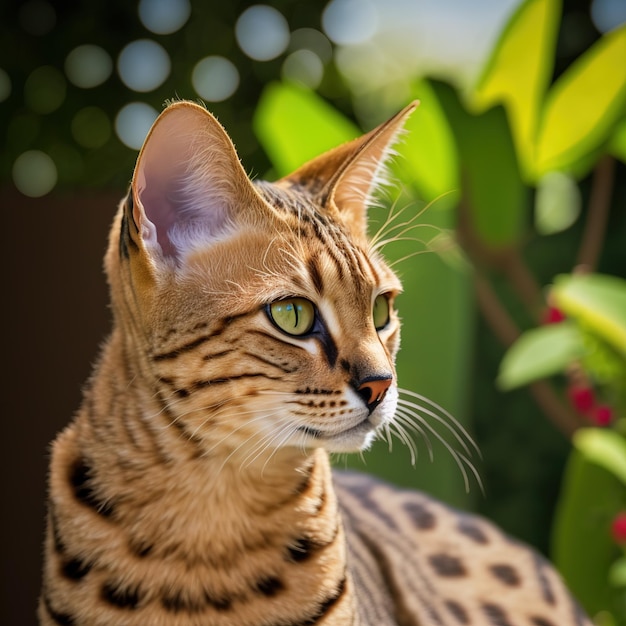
x,y
373,390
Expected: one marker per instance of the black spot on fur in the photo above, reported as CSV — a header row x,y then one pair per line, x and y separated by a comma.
x,y
421,516
75,569
176,601
541,567
473,531
119,596
495,615
84,492
506,574
541,621
301,549
327,605
457,611
446,565
58,617
270,586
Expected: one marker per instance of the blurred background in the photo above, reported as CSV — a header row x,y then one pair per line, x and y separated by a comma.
x,y
81,83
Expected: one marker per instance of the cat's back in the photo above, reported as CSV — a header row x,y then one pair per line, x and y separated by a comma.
x,y
438,565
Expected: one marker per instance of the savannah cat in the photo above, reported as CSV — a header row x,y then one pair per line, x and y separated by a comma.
x,y
254,332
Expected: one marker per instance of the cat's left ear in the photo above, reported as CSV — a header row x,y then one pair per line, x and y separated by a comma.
x,y
345,178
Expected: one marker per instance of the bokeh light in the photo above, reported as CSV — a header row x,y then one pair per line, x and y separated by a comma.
x,y
304,67
88,66
5,85
164,16
91,127
45,89
34,173
215,78
143,65
350,21
262,32
133,123
608,14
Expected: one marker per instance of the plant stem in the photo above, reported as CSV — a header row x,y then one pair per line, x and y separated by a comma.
x,y
597,214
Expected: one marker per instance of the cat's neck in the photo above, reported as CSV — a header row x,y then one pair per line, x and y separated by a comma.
x,y
206,510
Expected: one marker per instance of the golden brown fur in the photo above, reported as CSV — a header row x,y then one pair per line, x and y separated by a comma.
x,y
193,485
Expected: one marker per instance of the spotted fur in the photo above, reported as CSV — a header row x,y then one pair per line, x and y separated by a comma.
x,y
194,486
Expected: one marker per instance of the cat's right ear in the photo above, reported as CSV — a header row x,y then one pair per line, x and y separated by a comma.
x,y
187,183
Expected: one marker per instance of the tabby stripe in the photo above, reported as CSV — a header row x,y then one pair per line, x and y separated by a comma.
x,y
266,361
372,268
327,604
171,420
201,384
315,273
173,354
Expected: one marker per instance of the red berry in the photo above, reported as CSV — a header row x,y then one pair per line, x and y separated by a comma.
x,y
581,397
552,315
618,528
602,415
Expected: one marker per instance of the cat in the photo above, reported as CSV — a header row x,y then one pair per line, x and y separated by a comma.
x,y
254,332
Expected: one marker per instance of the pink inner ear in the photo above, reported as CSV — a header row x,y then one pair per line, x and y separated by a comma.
x,y
187,180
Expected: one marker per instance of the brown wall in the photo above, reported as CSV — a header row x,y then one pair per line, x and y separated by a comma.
x,y
55,306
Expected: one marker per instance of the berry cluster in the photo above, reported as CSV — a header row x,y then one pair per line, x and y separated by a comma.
x,y
580,392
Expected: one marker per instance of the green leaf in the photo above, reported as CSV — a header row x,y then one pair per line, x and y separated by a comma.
x,y
428,156
538,353
603,447
582,548
596,300
294,125
519,71
557,203
496,198
584,105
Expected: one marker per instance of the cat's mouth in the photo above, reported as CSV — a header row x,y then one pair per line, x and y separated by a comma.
x,y
363,426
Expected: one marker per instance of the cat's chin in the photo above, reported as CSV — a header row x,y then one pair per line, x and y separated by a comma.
x,y
355,439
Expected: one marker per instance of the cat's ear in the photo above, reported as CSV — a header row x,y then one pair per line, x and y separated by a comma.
x,y
188,181
345,178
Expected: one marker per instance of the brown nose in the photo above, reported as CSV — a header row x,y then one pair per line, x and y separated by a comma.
x,y
373,390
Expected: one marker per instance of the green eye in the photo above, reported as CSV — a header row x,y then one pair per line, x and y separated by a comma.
x,y
381,311
294,316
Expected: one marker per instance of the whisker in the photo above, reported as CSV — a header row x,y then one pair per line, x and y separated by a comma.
x,y
445,414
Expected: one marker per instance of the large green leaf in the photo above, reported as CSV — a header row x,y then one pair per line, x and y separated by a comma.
x,y
428,156
603,447
582,548
598,301
496,199
519,71
584,105
538,353
294,125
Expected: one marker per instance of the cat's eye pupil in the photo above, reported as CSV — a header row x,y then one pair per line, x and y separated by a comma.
x,y
294,316
380,313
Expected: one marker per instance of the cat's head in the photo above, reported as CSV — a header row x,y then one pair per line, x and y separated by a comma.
x,y
257,311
